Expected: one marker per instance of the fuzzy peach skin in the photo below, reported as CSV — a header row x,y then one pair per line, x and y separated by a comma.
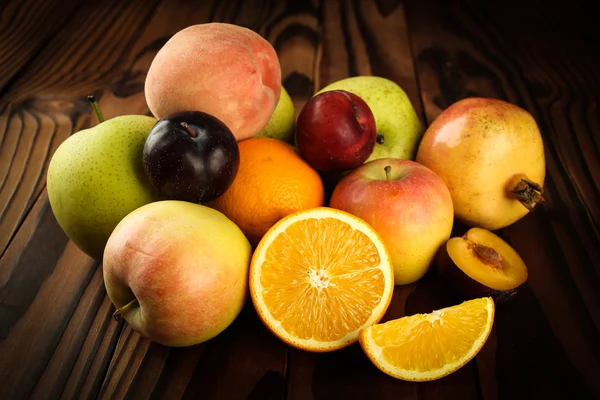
x,y
225,70
187,266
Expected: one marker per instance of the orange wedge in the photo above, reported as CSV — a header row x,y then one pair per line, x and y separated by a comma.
x,y
425,347
318,277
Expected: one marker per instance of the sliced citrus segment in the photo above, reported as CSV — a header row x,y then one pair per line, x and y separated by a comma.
x,y
318,277
424,347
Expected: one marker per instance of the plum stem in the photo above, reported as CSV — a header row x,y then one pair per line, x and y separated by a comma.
x,y
388,171
188,128
529,193
92,99
488,255
118,314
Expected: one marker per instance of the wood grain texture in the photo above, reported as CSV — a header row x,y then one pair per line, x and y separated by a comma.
x,y
40,18
84,56
57,337
55,273
547,339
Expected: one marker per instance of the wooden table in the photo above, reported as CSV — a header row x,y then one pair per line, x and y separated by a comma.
x,y
57,337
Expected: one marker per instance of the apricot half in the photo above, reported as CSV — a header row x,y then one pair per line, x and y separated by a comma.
x,y
481,264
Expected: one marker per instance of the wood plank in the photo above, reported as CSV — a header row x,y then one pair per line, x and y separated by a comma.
x,y
55,274
25,28
31,139
371,38
82,58
125,364
546,341
244,362
94,356
72,358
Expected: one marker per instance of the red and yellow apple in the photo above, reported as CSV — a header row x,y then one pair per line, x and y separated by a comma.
x,y
177,272
407,204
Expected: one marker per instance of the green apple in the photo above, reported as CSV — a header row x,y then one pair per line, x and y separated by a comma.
x,y
96,177
281,124
399,129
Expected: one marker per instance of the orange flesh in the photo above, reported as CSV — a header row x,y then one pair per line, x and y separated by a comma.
x,y
430,342
321,283
512,273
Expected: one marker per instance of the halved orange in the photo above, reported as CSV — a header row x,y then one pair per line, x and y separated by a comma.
x,y
318,277
425,347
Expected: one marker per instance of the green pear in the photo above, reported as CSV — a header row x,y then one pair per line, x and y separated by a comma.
x,y
399,130
96,177
282,122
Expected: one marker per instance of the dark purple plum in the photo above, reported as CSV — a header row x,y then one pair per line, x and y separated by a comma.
x,y
191,156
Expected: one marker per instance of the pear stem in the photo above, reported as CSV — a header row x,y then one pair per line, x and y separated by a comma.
x,y
388,171
92,99
120,312
187,127
529,193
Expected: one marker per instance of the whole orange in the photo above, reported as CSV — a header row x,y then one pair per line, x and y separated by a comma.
x,y
272,182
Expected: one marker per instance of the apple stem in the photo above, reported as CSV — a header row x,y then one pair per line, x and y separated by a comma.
x,y
189,129
527,192
379,138
118,314
388,171
92,99
488,255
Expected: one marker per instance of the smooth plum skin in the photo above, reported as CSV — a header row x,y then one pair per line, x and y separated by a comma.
x,y
336,131
183,167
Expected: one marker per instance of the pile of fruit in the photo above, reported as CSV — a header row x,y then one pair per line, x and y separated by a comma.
x,y
224,195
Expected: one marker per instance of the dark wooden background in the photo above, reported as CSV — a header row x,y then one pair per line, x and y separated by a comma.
x,y
57,337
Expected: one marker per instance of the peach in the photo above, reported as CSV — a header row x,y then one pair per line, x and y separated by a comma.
x,y
177,272
225,70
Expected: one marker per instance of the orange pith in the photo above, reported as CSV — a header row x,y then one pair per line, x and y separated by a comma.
x,y
425,347
320,276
